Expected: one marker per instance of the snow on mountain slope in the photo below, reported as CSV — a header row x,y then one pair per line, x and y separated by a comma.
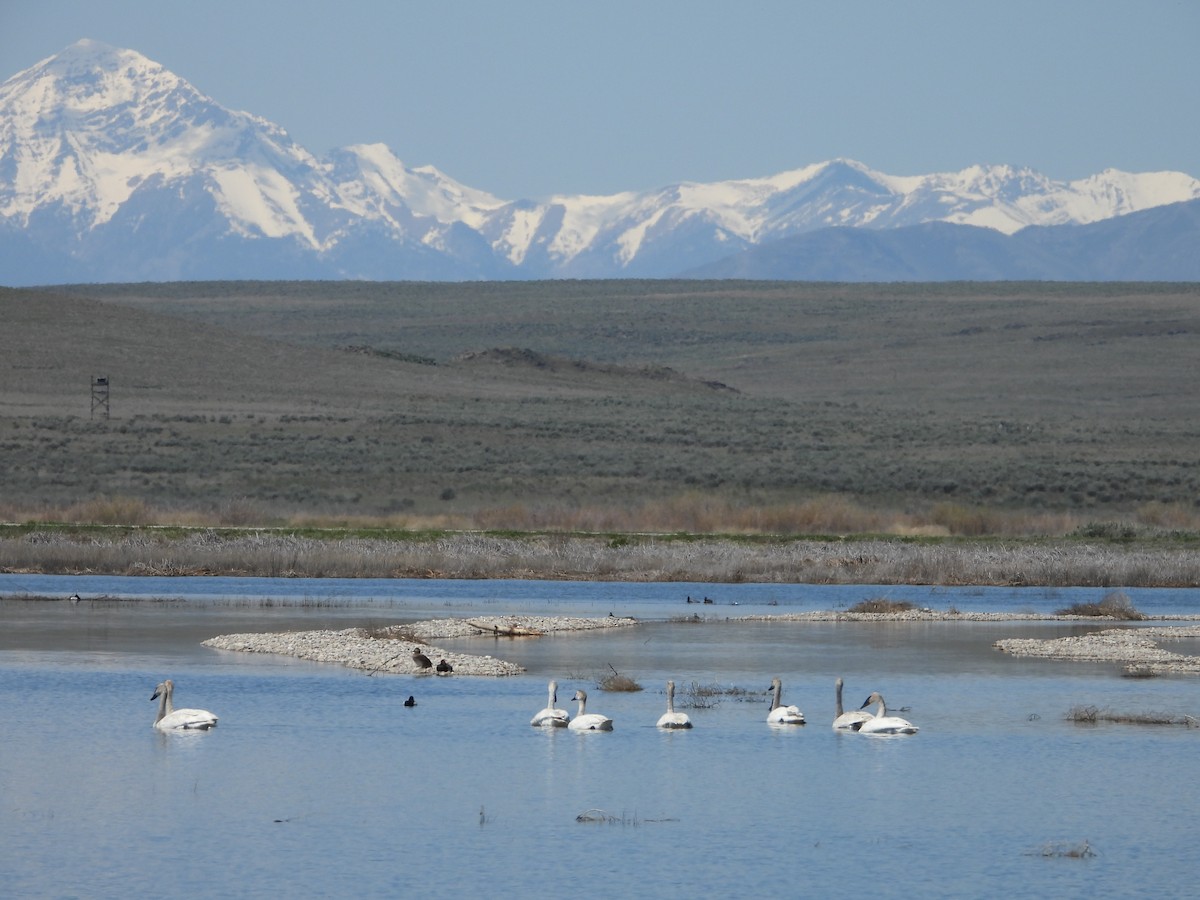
x,y
849,194
83,129
371,180
111,164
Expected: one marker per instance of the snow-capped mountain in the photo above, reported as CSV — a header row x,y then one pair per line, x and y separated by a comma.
x,y
114,169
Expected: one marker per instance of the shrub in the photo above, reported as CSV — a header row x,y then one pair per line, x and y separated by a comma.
x,y
1065,850
1114,605
1138,671
881,605
111,511
1092,715
618,682
706,696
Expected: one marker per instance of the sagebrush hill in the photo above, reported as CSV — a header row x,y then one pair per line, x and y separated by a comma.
x,y
619,404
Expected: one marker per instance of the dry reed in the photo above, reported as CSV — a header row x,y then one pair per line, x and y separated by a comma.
x,y
1094,715
881,605
690,512
618,683
881,561
1114,605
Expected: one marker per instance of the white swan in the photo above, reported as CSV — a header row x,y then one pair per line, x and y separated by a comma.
x,y
551,717
672,719
171,719
881,722
585,721
780,714
848,721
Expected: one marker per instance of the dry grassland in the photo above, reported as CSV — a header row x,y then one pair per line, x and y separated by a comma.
x,y
614,407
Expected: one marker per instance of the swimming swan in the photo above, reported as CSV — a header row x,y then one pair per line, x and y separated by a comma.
x,y
551,717
779,714
588,721
848,721
881,722
171,719
672,719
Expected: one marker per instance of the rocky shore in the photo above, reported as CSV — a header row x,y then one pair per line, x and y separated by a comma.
x,y
935,615
1138,648
391,649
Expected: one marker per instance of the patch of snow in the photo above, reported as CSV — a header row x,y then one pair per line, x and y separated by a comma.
x,y
262,199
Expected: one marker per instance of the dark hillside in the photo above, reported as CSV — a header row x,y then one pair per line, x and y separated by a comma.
x,y
497,400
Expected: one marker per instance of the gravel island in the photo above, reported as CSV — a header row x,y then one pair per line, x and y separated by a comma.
x,y
1136,647
391,650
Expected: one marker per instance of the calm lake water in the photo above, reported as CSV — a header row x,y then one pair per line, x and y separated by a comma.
x,y
318,782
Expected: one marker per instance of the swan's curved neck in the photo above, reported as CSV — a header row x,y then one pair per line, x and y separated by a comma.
x,y
671,697
165,705
839,696
776,695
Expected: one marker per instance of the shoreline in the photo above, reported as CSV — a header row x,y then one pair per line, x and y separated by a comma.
x,y
390,649
554,556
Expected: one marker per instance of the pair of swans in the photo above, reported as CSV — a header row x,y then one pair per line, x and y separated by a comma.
x,y
550,717
860,720
171,719
865,722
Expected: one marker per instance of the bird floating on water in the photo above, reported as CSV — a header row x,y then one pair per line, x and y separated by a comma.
x,y
411,701
585,721
171,719
551,717
444,668
780,714
881,722
672,719
848,721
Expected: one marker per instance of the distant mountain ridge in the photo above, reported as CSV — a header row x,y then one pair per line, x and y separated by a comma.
x,y
112,168
1160,244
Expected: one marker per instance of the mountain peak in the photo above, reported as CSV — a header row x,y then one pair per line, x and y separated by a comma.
x,y
112,167
90,52
83,129
87,62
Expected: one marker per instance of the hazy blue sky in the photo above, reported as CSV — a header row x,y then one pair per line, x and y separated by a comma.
x,y
526,99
